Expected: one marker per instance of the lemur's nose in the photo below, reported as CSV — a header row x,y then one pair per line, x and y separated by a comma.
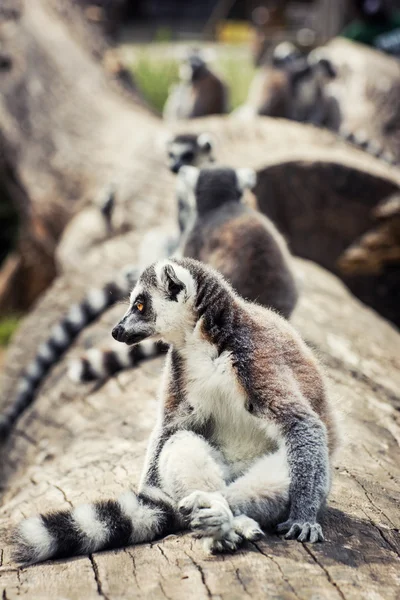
x,y
176,167
118,333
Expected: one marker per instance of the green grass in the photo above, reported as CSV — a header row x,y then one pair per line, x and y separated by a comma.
x,y
155,73
7,327
154,77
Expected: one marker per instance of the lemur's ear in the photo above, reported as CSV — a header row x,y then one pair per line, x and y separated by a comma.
x,y
205,142
318,59
189,175
171,281
247,179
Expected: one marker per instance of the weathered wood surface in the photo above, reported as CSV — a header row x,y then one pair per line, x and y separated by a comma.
x,y
80,444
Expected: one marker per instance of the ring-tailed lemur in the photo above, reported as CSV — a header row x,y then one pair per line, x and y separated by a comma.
x,y
222,231
245,431
199,93
189,149
183,149
293,88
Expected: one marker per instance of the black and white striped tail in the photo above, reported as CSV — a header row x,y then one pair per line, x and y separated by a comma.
x,y
61,337
373,147
105,524
100,364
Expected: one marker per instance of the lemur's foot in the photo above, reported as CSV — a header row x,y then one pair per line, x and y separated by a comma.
x,y
247,528
244,528
302,531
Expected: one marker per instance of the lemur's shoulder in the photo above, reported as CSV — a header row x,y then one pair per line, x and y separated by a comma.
x,y
279,351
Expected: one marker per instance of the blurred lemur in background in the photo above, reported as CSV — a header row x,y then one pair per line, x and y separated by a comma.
x,y
217,228
245,433
199,93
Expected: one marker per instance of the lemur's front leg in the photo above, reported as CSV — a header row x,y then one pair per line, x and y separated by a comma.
x,y
308,459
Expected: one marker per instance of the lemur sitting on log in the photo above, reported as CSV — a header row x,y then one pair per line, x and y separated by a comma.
x,y
199,93
245,432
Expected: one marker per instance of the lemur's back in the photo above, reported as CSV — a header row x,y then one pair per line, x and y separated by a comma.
x,y
248,250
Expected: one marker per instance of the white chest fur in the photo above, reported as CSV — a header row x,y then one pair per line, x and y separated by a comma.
x,y
216,395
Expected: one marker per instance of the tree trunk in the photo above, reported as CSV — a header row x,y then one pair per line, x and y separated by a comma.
x,y
76,444
66,130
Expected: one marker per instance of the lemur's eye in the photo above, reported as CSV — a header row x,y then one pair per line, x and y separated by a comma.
x,y
139,306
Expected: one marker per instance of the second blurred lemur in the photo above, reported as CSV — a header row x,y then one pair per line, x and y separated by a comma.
x,y
199,93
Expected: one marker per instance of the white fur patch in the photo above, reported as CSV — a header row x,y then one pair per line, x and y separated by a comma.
x,y
34,370
24,386
148,348
189,175
213,391
76,315
97,299
267,478
145,520
205,139
59,335
75,370
34,534
247,178
46,352
137,290
95,357
87,522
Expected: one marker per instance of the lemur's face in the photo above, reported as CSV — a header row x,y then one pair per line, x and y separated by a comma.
x,y
160,305
189,150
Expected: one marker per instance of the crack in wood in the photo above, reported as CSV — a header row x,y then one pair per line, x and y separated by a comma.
x,y
325,570
379,510
97,578
63,493
134,567
202,575
378,462
160,585
240,580
272,559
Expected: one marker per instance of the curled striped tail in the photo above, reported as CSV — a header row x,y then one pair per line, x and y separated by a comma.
x,y
373,147
105,524
61,337
100,364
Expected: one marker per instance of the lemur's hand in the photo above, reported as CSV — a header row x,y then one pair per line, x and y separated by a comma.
x,y
207,513
302,531
210,517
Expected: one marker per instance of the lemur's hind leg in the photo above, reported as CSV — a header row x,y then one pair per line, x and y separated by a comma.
x,y
193,473
262,492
